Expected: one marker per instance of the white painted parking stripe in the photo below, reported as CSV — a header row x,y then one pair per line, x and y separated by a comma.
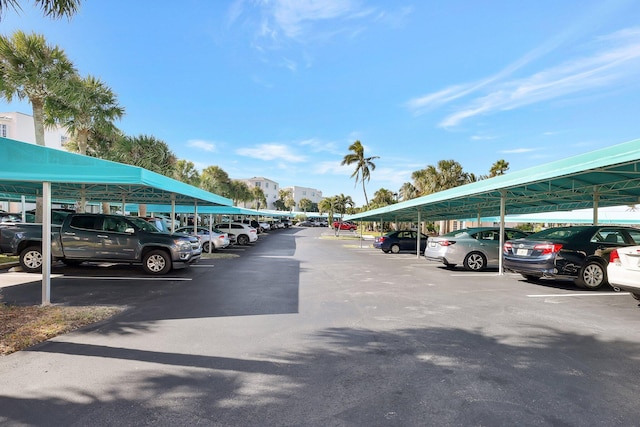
x,y
163,279
202,265
591,294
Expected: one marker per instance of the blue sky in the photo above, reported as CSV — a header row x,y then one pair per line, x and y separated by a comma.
x,y
281,88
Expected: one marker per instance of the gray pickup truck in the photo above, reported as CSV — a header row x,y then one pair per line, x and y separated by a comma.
x,y
97,237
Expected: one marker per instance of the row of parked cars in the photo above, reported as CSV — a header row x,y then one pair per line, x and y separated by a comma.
x,y
592,256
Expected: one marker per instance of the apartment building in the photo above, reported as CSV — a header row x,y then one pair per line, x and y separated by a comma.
x,y
269,188
20,127
299,193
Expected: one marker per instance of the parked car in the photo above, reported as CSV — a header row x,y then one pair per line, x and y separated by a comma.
x,y
345,225
623,270
474,248
401,240
265,226
306,223
217,239
97,237
579,253
10,217
244,233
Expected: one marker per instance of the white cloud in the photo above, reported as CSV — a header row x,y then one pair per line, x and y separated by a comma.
x,y
615,58
518,150
271,152
333,168
202,145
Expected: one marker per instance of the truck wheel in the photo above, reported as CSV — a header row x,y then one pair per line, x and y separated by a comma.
x,y
243,239
31,259
156,262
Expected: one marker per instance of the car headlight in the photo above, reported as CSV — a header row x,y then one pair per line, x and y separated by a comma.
x,y
183,245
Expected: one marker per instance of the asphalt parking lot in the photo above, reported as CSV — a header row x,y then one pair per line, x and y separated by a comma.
x,y
303,329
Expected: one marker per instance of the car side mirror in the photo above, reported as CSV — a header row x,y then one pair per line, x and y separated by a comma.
x,y
129,230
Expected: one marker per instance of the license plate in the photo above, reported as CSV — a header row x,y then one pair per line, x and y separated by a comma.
x,y
522,252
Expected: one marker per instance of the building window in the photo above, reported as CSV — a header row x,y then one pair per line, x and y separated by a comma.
x,y
3,131
258,184
304,193
266,185
63,140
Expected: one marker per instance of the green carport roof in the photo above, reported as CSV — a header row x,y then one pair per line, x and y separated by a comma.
x,y
610,175
26,166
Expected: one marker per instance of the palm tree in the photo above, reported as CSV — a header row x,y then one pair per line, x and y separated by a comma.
x,y
85,107
305,204
185,171
408,191
215,180
382,197
259,198
364,165
239,191
146,152
51,8
326,206
498,168
29,68
340,205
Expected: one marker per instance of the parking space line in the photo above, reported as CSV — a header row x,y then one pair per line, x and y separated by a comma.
x,y
163,279
591,294
202,265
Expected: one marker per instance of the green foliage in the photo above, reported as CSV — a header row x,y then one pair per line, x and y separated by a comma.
x,y
364,165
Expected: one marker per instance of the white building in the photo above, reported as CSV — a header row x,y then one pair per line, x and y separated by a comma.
x,y
269,188
299,193
20,127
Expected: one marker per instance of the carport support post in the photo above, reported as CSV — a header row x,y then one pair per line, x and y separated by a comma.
x,y
503,203
195,217
173,212
210,230
596,200
46,243
418,236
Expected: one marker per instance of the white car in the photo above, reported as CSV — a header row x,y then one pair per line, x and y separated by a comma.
x,y
265,226
218,238
244,233
623,270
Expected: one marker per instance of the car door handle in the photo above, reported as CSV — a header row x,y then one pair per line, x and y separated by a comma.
x,y
68,233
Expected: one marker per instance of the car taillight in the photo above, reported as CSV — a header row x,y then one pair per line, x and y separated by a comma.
x,y
446,242
508,247
548,248
614,257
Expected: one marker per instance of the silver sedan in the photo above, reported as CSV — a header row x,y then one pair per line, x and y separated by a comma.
x,y
474,248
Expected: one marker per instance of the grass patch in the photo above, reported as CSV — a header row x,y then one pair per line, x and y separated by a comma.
x,y
6,259
23,327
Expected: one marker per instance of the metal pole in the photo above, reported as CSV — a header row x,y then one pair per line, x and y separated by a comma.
x,y
210,230
503,202
173,212
46,243
419,235
596,201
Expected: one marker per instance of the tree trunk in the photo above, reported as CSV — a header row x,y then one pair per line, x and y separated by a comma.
x,y
38,120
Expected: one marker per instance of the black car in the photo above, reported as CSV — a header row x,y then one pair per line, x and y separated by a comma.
x,y
580,253
402,240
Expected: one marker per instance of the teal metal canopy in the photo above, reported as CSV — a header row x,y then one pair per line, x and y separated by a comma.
x,y
24,167
606,177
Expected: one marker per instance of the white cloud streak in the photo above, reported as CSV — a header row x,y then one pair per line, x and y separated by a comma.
x,y
271,152
202,145
616,59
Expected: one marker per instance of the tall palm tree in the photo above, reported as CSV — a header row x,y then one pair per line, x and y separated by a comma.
x,y
51,8
340,205
305,204
87,106
364,165
326,206
240,192
32,69
498,168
